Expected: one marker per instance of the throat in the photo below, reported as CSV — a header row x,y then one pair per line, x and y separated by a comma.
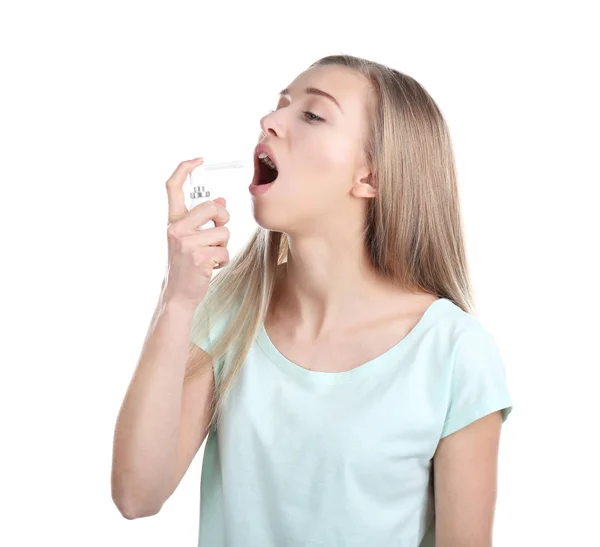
x,y
266,174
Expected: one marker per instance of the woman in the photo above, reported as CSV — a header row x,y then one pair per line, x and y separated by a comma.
x,y
347,364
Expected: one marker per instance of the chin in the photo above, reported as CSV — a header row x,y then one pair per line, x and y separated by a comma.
x,y
269,218
270,211
278,211
280,223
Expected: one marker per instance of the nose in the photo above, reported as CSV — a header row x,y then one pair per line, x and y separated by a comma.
x,y
270,126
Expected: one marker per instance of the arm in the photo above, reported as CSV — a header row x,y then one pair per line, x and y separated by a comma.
x,y
465,484
161,423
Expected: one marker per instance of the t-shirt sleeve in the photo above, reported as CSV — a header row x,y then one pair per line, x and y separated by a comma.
x,y
478,384
201,339
207,337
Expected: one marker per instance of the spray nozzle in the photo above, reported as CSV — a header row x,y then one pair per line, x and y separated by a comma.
x,y
226,165
200,191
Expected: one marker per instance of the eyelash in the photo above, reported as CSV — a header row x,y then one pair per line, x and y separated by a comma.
x,y
313,118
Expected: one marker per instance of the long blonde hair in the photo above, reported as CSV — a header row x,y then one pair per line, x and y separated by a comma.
x,y
413,227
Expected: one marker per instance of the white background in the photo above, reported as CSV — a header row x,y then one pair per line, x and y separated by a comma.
x,y
100,101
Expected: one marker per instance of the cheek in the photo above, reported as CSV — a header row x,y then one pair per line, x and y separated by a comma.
x,y
334,155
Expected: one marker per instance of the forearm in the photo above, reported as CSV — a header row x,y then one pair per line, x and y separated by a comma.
x,y
146,433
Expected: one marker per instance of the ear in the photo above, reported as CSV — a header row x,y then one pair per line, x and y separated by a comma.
x,y
363,187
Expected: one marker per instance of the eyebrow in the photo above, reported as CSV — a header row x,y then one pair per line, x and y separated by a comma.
x,y
314,91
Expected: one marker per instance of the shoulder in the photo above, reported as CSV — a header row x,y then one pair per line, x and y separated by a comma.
x,y
458,326
473,373
470,350
460,344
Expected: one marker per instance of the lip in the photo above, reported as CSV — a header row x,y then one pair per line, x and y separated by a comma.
x,y
258,189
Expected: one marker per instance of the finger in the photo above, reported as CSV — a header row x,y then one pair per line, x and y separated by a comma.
x,y
209,237
202,213
222,217
220,258
220,220
177,208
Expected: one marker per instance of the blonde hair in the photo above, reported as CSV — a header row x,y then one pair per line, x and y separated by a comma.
x,y
413,229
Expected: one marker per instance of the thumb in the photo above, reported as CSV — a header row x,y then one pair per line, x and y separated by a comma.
x,y
221,201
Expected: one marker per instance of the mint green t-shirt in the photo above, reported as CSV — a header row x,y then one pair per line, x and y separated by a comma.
x,y
321,459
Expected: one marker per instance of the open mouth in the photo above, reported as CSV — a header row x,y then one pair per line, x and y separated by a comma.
x,y
267,171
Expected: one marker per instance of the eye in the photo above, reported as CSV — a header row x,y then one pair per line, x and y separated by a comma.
x,y
310,117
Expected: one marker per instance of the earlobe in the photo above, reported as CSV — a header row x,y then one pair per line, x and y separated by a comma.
x,y
364,189
369,184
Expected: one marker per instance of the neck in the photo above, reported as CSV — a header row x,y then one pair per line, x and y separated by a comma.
x,y
327,285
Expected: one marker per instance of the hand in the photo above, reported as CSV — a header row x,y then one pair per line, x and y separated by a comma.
x,y
193,254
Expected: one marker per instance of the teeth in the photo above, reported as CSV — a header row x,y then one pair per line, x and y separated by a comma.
x,y
265,159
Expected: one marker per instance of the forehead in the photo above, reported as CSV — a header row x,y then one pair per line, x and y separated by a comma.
x,y
350,88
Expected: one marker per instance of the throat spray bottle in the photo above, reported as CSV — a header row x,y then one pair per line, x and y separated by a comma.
x,y
200,179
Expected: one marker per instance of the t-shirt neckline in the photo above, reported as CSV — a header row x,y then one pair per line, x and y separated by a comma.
x,y
379,363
